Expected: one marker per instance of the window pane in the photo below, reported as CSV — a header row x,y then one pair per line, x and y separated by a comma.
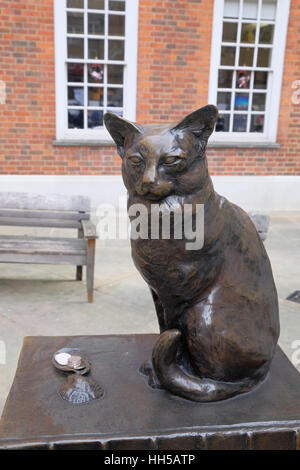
x,y
224,101
222,124
75,72
257,123
229,32
260,80
95,96
75,96
266,34
241,102
248,33
243,78
268,11
116,50
95,73
228,55
259,102
250,9
75,4
116,25
96,49
117,5
263,57
75,23
115,74
95,119
225,79
96,4
115,97
246,56
75,119
75,48
240,122
231,8
96,23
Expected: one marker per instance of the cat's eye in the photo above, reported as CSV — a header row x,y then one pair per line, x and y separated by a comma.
x,y
172,160
135,160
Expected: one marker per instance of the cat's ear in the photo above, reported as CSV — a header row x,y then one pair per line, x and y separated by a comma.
x,y
200,123
119,129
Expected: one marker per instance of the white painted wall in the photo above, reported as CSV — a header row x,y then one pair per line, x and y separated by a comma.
x,y
252,193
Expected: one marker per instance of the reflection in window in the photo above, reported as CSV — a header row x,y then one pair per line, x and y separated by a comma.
x,y
225,78
248,33
246,56
241,102
259,102
95,24
95,73
257,123
95,96
75,119
229,32
222,124
75,48
240,123
96,4
75,96
95,119
115,97
75,72
75,23
243,79
224,101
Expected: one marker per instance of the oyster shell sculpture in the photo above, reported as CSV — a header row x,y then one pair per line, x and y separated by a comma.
x,y
77,389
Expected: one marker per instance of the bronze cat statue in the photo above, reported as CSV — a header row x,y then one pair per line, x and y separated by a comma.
x,y
217,307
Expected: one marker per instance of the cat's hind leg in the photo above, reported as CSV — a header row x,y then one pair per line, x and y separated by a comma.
x,y
179,382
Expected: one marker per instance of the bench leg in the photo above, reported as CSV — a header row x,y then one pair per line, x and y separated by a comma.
x,y
90,268
79,268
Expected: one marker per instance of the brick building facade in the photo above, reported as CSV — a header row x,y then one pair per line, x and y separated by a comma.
x,y
173,75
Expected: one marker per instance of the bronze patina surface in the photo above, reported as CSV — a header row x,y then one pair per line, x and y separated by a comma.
x,y
217,306
132,415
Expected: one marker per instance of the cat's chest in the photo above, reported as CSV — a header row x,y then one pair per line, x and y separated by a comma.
x,y
166,265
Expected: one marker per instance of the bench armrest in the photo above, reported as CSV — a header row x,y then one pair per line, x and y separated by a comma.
x,y
89,229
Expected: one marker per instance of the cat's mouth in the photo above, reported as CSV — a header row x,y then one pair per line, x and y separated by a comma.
x,y
153,197
154,193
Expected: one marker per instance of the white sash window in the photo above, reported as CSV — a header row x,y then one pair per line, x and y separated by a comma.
x,y
96,64
247,58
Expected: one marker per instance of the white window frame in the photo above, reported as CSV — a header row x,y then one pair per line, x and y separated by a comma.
x,y
130,74
275,77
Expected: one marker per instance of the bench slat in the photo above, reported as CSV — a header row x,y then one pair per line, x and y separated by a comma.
x,y
20,213
55,202
34,245
23,222
75,260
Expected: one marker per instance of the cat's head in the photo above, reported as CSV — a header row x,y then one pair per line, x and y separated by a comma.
x,y
163,160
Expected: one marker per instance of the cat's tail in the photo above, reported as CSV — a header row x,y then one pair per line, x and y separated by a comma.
x,y
172,377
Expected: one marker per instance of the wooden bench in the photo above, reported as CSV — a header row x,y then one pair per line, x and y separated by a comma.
x,y
54,211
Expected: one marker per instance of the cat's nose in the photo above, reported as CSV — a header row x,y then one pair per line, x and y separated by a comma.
x,y
149,177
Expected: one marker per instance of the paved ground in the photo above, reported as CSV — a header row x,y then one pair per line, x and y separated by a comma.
x,y
45,300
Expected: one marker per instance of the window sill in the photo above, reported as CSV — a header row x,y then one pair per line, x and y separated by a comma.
x,y
83,143
247,145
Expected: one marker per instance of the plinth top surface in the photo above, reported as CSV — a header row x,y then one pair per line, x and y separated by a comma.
x,y
130,407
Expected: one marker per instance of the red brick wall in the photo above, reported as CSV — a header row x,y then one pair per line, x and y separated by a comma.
x,y
173,73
